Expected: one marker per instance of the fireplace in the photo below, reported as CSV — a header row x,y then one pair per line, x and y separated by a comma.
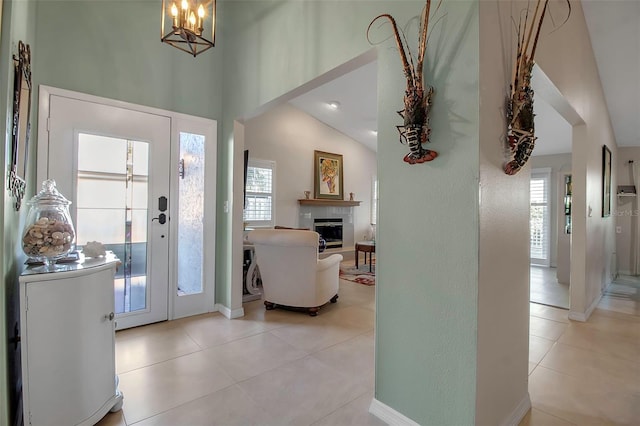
x,y
331,230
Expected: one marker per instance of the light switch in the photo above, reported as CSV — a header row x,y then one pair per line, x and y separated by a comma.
x,y
618,229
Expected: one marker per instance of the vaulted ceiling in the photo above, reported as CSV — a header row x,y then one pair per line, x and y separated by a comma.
x,y
614,28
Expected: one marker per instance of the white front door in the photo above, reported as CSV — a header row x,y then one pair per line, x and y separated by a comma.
x,y
114,164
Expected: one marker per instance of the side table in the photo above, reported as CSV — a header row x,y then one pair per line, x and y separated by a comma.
x,y
365,247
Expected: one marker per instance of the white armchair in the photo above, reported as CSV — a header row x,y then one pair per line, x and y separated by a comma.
x,y
292,274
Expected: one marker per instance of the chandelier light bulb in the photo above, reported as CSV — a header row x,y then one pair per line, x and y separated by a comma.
x,y
185,5
192,19
201,11
174,10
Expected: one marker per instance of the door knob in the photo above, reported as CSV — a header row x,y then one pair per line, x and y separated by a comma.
x,y
162,218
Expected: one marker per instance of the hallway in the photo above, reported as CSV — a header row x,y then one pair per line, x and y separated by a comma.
x,y
545,288
587,373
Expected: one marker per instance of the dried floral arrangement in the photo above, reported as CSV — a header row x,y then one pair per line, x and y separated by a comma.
x,y
520,124
417,96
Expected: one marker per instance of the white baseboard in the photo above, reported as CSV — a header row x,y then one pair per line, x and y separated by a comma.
x,y
519,412
584,316
230,314
389,415
393,417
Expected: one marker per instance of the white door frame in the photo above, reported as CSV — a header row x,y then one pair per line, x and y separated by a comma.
x,y
179,122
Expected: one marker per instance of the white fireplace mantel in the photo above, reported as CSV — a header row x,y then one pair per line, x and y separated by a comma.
x,y
327,202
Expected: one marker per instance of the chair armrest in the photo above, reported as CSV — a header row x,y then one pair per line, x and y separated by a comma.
x,y
328,262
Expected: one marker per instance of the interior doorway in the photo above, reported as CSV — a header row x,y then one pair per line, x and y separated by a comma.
x,y
551,195
295,165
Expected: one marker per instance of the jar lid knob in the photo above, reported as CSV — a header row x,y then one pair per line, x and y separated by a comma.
x,y
49,193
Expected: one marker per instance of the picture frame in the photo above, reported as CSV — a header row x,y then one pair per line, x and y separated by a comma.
x,y
606,181
328,181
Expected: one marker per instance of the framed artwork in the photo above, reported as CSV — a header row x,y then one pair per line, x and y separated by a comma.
x,y
328,177
606,181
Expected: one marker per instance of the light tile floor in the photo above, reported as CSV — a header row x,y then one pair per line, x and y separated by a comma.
x,y
280,367
545,288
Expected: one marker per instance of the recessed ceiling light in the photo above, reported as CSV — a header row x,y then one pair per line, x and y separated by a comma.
x,y
333,105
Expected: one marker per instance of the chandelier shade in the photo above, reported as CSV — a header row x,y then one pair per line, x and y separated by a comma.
x,y
189,25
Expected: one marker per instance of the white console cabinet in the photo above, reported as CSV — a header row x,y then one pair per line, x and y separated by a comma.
x,y
68,343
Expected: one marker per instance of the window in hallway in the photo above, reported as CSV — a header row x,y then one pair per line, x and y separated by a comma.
x,y
539,216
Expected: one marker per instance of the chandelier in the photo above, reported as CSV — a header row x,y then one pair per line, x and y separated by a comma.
x,y
191,22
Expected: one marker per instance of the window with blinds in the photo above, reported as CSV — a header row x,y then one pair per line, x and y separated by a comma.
x,y
259,193
539,217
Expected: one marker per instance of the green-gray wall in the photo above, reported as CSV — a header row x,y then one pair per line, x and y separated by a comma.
x,y
112,48
426,306
18,23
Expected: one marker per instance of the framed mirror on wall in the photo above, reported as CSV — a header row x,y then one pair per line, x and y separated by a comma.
x,y
21,123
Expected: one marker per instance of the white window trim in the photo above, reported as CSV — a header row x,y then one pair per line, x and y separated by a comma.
x,y
265,164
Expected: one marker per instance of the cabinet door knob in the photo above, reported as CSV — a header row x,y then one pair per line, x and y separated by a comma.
x,y
110,316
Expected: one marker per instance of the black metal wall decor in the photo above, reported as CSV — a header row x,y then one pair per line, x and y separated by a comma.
x,y
21,123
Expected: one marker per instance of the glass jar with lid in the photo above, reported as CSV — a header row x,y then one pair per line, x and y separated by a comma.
x,y
49,233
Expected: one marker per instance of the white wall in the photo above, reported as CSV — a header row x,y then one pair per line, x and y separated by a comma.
x,y
566,57
289,137
560,164
502,395
625,209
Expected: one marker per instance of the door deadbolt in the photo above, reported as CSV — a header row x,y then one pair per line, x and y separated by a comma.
x,y
162,204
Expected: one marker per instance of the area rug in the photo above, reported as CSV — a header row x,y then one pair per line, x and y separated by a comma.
x,y
359,275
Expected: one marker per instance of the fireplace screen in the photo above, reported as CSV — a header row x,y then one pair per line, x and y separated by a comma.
x,y
330,230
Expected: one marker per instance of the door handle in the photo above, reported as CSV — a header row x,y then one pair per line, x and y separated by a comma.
x,y
162,218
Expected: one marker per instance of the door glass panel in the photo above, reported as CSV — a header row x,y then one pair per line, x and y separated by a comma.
x,y
96,192
191,214
105,154
111,226
112,188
